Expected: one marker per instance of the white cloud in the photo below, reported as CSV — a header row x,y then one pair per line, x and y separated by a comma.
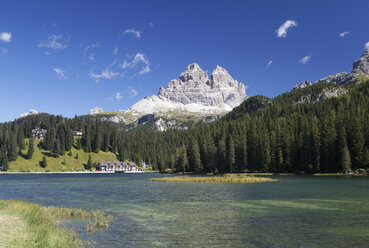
x,y
132,92
343,34
305,59
269,63
151,24
117,96
282,30
4,51
133,31
116,51
5,37
92,46
144,70
367,45
54,42
60,73
138,59
105,74
92,56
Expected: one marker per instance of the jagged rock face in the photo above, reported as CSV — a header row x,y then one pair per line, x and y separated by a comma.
x,y
302,85
31,112
193,91
339,78
323,95
361,65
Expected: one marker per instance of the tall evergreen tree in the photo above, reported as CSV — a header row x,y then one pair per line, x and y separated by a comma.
x,y
194,156
13,149
89,163
230,156
43,162
31,148
4,162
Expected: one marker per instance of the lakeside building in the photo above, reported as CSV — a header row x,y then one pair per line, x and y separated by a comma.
x,y
39,133
77,132
118,166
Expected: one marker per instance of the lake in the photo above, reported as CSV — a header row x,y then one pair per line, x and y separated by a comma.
x,y
297,211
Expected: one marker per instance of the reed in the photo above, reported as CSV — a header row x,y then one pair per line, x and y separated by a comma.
x,y
228,178
34,225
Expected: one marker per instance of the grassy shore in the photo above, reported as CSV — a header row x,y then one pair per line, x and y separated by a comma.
x,y
24,224
228,178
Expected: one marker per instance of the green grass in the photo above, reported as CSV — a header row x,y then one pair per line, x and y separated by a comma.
x,y
228,178
24,224
56,164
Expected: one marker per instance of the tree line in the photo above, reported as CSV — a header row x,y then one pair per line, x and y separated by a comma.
x,y
283,134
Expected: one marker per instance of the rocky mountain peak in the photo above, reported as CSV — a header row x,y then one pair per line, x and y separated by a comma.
x,y
302,85
95,110
193,72
361,65
193,91
220,76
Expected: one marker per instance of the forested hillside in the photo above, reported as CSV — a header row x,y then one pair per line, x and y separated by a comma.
x,y
296,131
270,135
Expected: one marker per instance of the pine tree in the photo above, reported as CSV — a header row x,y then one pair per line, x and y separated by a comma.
x,y
57,148
194,157
4,162
182,161
31,148
221,155
43,162
230,156
97,140
345,159
13,150
89,163
20,139
78,144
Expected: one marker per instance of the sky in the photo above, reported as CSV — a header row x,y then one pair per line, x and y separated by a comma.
x,y
66,57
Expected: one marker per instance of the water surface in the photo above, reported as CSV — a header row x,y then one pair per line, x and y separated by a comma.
x,y
294,212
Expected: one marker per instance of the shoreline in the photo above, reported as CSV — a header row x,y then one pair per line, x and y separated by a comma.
x,y
26,224
67,172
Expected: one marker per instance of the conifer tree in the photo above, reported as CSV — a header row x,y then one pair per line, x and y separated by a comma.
x,y
57,148
4,162
43,162
13,150
89,163
230,156
194,157
20,139
31,148
345,159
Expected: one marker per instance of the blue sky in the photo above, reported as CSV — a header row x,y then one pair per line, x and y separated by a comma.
x,y
66,57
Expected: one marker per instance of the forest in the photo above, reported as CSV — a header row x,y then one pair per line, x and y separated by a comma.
x,y
280,135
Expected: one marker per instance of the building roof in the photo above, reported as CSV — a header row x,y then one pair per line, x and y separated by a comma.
x,y
117,163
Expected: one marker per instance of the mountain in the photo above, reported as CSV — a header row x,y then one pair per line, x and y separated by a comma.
x,y
190,99
195,92
194,98
359,73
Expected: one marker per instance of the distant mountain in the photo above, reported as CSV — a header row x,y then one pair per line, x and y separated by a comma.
x,y
194,98
190,99
359,73
195,92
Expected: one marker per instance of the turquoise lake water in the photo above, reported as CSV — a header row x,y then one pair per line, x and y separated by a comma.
x,y
299,211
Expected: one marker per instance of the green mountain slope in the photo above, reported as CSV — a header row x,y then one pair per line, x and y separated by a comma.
x,y
74,161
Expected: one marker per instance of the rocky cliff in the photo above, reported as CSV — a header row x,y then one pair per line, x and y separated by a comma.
x,y
195,92
360,71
